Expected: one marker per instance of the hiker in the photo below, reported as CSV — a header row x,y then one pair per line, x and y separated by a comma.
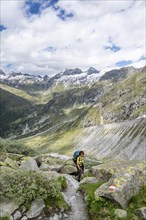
x,y
79,161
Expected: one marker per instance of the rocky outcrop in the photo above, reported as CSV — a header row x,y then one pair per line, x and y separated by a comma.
x,y
123,140
121,186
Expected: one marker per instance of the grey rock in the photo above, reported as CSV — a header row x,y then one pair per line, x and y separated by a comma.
x,y
121,187
29,165
55,217
120,213
24,218
68,169
44,167
11,217
7,207
36,208
51,175
141,212
56,168
17,215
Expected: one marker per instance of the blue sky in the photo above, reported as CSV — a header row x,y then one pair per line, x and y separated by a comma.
x,y
47,36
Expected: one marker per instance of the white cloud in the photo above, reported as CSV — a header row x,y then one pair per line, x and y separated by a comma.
x,y
78,41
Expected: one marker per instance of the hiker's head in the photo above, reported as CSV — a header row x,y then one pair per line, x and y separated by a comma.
x,y
81,153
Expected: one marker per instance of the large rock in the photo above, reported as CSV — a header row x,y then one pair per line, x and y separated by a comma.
x,y
121,187
17,215
36,208
29,164
11,163
141,212
104,172
7,207
68,169
52,175
56,167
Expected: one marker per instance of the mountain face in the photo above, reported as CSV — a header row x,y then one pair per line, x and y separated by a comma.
x,y
24,81
68,77
118,74
12,109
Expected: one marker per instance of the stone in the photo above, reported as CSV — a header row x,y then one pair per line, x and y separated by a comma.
x,y
36,208
88,180
44,167
68,169
24,218
141,212
56,167
121,187
120,214
55,217
29,164
11,163
51,175
11,217
17,215
7,207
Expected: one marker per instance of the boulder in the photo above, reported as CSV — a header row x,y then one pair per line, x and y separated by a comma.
x,y
88,180
104,172
56,167
24,218
7,207
36,208
141,212
121,187
44,167
11,163
17,215
120,214
51,175
29,164
68,169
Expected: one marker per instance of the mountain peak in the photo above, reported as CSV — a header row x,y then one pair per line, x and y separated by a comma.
x,y
72,71
2,72
92,70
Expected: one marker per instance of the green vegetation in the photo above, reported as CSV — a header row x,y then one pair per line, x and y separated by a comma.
x,y
29,185
4,218
137,201
16,147
20,93
102,208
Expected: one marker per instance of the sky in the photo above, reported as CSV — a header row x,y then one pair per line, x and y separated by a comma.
x,y
48,36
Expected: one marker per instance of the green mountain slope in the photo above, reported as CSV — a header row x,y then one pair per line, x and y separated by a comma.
x,y
12,108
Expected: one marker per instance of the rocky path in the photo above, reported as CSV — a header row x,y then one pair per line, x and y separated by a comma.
x,y
75,199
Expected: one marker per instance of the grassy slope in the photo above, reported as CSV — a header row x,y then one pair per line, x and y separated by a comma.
x,y
20,93
124,93
12,108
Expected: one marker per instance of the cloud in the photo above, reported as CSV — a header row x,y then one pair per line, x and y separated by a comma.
x,y
47,36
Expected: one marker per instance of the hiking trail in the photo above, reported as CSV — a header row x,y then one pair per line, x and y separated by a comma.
x,y
75,199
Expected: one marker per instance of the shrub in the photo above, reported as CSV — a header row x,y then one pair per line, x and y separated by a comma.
x,y
17,147
27,186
